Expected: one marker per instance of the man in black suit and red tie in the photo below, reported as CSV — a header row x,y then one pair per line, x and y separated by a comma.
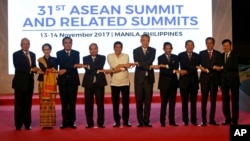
x,y
230,83
94,82
144,80
23,83
188,82
68,81
210,69
168,83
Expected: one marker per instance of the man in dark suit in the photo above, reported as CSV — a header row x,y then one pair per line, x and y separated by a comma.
x,y
68,81
230,83
23,83
168,83
144,80
94,82
188,81
210,61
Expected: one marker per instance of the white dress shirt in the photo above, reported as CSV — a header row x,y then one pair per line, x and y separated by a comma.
x,y
120,78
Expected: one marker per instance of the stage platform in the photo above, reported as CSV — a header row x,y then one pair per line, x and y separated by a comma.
x,y
8,99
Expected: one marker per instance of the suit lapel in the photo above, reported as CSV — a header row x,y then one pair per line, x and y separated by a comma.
x,y
90,60
213,57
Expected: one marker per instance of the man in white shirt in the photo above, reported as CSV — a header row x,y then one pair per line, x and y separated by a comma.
x,y
119,63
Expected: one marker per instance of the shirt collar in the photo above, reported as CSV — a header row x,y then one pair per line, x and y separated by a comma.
x,y
67,51
210,51
228,53
25,52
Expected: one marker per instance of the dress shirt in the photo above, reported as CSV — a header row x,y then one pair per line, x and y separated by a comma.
x,y
227,56
120,78
67,52
144,50
210,54
27,54
169,60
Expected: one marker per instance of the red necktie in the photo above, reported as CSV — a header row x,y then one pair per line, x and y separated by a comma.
x,y
210,55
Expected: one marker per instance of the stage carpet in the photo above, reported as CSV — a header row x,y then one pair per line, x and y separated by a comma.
x,y
155,133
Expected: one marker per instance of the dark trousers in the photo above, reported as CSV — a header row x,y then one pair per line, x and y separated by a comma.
x,y
187,95
205,90
23,104
115,92
226,103
143,96
168,95
68,95
98,92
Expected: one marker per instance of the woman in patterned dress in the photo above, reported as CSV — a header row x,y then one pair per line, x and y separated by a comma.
x,y
47,88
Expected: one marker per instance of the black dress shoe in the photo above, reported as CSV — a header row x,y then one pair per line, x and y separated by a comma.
x,y
47,128
140,125
28,128
185,123
116,124
235,123
73,126
173,124
195,123
63,126
89,126
163,124
226,123
147,124
127,124
213,123
18,128
203,124
101,126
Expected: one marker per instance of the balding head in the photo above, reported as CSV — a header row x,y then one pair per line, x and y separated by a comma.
x,y
25,44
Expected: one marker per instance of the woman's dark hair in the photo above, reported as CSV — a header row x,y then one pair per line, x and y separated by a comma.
x,y
47,44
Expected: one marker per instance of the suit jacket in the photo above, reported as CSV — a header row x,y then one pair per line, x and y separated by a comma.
x,y
190,66
51,63
230,72
167,77
144,62
67,62
91,71
23,78
213,75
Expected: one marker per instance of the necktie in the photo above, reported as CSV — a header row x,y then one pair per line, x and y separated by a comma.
x,y
190,56
144,50
68,53
210,55
226,57
93,59
27,57
168,57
